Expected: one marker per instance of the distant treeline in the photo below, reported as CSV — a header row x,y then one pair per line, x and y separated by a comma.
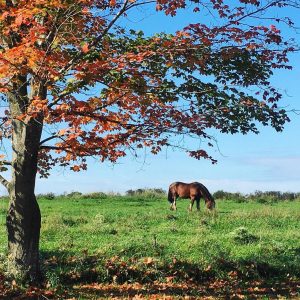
x,y
257,196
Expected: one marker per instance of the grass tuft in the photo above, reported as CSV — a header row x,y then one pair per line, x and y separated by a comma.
x,y
243,236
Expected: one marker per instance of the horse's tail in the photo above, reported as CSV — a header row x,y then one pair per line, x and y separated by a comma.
x,y
171,192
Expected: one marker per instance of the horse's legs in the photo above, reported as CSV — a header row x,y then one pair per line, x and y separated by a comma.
x,y
192,203
174,203
198,203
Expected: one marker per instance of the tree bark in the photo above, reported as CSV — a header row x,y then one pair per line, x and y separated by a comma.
x,y
23,226
24,217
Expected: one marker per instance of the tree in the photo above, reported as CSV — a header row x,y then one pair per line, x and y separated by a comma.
x,y
76,83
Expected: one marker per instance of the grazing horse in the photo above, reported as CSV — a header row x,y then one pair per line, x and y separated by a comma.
x,y
194,191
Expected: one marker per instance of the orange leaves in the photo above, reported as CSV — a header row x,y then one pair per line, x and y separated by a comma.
x,y
149,260
62,132
63,107
85,48
20,59
76,168
85,10
5,69
19,20
37,107
159,7
37,49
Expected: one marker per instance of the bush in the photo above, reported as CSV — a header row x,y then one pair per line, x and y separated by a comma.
x,y
74,194
48,196
147,193
220,195
266,200
237,197
4,198
95,195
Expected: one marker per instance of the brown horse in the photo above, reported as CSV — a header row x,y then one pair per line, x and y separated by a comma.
x,y
194,191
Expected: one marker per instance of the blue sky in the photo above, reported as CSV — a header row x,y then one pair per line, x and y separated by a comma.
x,y
268,161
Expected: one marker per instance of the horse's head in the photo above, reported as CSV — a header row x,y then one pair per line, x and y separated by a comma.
x,y
210,203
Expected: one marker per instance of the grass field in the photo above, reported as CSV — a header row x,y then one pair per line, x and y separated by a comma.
x,y
138,240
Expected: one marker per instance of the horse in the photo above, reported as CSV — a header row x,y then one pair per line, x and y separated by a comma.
x,y
194,191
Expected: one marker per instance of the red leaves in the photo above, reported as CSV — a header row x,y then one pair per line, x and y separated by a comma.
x,y
11,290
170,6
202,154
254,2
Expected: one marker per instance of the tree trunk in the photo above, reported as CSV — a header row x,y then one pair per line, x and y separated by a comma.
x,y
24,218
23,226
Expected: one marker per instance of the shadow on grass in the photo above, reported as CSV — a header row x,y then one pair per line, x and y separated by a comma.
x,y
88,276
218,289
65,267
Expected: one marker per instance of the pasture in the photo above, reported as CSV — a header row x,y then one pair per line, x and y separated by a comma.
x,y
121,246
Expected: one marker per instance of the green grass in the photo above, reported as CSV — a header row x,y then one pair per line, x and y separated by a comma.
x,y
109,238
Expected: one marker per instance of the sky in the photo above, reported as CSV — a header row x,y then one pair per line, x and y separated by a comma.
x,y
246,163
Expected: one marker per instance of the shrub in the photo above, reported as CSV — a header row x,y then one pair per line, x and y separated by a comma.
x,y
147,193
266,200
4,198
48,196
220,194
74,194
237,197
95,195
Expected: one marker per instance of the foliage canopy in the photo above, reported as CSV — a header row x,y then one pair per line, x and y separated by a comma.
x,y
100,89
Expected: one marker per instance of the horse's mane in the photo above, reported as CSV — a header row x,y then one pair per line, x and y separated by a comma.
x,y
205,191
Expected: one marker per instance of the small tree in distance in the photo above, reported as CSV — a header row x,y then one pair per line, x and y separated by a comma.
x,y
75,83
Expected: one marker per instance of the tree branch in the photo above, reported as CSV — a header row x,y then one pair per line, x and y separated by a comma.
x,y
4,182
48,139
96,40
55,148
